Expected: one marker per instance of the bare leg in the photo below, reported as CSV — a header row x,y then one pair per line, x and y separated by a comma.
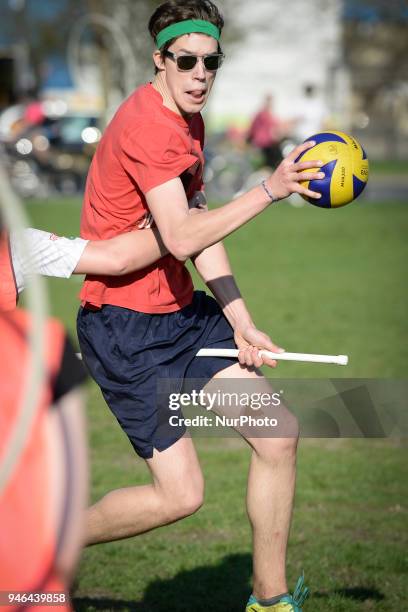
x,y
271,486
176,492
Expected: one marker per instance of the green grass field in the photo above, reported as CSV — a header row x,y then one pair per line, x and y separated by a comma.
x,y
389,166
316,281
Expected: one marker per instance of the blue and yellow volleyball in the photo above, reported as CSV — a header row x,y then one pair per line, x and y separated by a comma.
x,y
345,166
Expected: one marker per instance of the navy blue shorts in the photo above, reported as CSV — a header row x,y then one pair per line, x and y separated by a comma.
x,y
128,352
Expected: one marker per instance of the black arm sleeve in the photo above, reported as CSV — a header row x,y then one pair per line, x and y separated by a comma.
x,y
71,374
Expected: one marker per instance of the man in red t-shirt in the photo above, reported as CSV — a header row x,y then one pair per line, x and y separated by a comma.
x,y
137,330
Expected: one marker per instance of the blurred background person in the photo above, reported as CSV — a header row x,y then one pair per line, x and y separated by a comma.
x,y
265,133
34,113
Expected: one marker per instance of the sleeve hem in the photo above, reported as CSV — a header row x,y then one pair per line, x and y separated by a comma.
x,y
189,161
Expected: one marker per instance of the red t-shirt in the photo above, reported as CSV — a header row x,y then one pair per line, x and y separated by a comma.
x,y
145,145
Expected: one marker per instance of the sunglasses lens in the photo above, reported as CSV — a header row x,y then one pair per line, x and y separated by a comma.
x,y
186,62
212,62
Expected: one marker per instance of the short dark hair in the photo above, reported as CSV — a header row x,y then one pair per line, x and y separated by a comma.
x,y
174,11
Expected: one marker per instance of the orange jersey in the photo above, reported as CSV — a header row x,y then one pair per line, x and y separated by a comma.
x,y
28,541
8,286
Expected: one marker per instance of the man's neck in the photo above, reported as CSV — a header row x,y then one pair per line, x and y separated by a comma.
x,y
160,86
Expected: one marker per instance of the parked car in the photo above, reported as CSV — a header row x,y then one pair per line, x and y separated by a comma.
x,y
53,156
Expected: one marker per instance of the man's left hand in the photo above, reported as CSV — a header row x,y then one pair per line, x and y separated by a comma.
x,y
250,341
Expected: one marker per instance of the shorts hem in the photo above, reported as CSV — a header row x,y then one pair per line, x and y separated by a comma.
x,y
147,452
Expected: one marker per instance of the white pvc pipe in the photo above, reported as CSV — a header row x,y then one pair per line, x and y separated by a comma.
x,y
307,357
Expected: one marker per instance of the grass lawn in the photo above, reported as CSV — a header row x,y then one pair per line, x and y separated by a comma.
x,y
389,166
316,281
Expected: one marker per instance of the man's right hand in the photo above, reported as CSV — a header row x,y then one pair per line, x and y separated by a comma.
x,y
288,175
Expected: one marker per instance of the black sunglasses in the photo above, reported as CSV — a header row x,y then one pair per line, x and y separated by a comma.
x,y
187,62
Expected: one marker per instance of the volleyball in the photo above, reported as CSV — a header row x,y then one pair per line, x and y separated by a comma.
x,y
345,166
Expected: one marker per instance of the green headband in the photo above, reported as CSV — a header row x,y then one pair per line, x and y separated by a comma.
x,y
187,27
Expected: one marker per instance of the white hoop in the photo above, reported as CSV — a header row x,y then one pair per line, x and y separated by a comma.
x,y
118,35
37,303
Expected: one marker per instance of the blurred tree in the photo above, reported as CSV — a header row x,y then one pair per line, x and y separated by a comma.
x,y
94,36
376,53
131,18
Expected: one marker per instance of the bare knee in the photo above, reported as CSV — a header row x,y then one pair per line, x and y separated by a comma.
x,y
186,499
190,502
277,449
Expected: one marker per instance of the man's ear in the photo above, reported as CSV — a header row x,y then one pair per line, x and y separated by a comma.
x,y
158,60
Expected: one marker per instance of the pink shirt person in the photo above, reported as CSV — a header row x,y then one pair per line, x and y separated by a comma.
x,y
265,127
